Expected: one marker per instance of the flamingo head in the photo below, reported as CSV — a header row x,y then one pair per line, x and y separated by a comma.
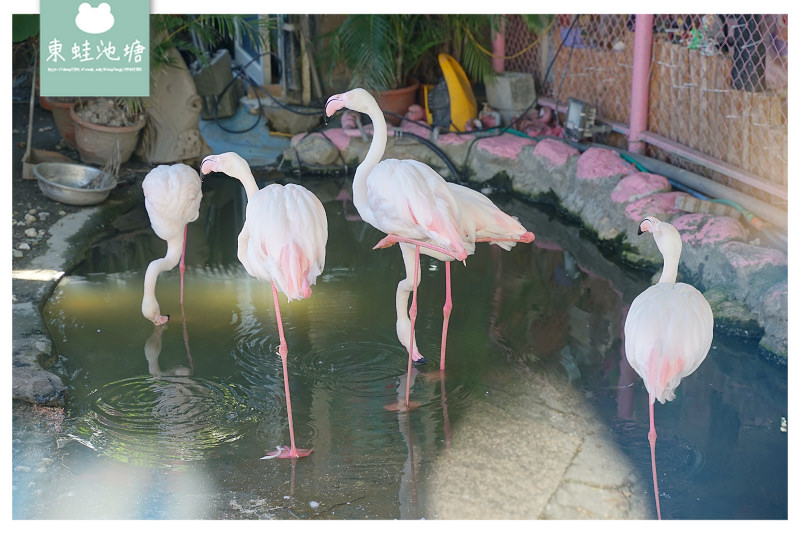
x,y
666,236
356,99
152,311
226,163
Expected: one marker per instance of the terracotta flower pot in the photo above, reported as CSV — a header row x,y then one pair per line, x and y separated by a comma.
x,y
61,116
96,143
397,101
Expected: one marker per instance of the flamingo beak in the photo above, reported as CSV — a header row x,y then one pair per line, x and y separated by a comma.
x,y
333,104
207,164
642,228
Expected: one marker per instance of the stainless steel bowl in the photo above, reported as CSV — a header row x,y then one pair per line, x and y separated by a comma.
x,y
74,184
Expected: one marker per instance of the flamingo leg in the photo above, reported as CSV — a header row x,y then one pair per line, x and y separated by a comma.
x,y
448,307
412,313
651,436
284,451
182,265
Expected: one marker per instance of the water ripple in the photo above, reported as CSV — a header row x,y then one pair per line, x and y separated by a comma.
x,y
162,422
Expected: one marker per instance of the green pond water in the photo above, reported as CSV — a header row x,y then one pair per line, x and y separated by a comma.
x,y
171,422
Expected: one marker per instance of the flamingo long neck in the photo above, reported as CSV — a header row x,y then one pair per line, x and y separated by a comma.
x,y
669,274
376,149
245,175
157,266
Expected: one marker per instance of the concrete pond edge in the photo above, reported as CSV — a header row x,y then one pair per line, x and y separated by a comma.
x,y
32,347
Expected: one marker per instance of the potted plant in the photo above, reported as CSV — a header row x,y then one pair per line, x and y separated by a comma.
x,y
107,129
382,52
60,107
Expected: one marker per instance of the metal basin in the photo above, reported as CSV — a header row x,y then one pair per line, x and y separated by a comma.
x,y
74,184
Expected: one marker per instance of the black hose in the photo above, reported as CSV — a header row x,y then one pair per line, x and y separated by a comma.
x,y
435,149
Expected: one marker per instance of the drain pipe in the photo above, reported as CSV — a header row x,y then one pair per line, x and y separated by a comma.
x,y
761,209
764,210
640,81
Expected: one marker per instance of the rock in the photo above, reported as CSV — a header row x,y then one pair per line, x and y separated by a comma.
x,y
29,218
639,185
290,121
317,150
37,386
732,317
32,211
18,253
699,229
31,232
659,205
556,153
601,163
43,215
24,246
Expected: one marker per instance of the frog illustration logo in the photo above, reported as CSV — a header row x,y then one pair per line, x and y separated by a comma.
x,y
94,20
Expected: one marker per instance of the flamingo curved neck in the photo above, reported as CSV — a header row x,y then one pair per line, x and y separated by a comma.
x,y
376,150
168,262
245,175
669,274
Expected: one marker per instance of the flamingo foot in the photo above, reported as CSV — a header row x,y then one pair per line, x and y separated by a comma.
x,y
391,239
388,241
401,406
285,452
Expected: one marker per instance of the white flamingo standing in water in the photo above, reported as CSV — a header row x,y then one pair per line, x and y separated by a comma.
x,y
668,330
282,241
172,195
417,208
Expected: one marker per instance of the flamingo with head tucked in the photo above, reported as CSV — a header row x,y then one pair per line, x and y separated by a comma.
x,y
668,330
282,241
172,195
417,208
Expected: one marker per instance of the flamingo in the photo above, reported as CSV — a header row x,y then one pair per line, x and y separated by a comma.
x,y
282,241
422,212
172,195
668,330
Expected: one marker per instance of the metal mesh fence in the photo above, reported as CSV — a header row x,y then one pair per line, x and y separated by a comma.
x,y
718,85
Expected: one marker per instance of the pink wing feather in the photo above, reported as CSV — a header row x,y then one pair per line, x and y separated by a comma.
x,y
286,232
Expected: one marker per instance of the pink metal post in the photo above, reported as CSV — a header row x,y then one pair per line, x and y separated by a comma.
x,y
640,86
499,46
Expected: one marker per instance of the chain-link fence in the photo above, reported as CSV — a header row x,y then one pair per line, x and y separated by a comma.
x,y
718,85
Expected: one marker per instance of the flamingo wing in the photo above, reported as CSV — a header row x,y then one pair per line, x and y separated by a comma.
x,y
284,238
481,219
409,198
668,333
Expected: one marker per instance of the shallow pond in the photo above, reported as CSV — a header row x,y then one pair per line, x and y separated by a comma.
x,y
170,422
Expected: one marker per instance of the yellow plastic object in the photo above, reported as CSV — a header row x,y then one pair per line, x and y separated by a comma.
x,y
463,106
426,88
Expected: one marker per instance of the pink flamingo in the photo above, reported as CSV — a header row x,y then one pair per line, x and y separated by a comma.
x,y
417,208
283,242
172,195
668,330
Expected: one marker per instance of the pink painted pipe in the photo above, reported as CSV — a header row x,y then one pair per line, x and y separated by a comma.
x,y
640,84
499,47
